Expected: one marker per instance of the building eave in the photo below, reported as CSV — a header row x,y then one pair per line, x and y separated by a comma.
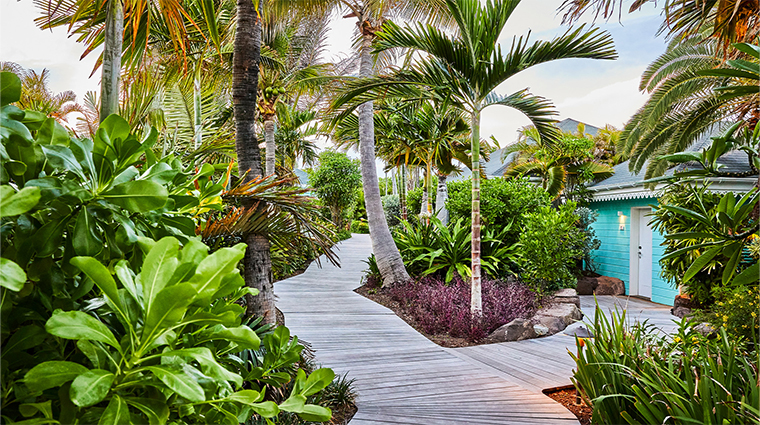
x,y
638,191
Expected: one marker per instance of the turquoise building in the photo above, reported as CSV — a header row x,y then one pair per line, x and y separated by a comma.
x,y
630,249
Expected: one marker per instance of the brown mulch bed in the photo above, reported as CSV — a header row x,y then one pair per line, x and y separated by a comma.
x,y
380,296
567,397
343,415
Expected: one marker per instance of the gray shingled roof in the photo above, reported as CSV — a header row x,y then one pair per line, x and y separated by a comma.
x,y
733,162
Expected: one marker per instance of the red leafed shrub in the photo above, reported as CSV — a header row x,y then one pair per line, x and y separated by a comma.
x,y
445,309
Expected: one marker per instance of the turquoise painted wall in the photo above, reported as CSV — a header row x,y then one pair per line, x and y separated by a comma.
x,y
614,254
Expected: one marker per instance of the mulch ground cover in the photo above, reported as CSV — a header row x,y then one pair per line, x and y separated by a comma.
x,y
568,398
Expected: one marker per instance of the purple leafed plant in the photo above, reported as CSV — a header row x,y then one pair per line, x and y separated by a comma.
x,y
445,309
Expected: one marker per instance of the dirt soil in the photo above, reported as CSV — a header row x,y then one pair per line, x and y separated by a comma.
x,y
343,415
567,397
379,296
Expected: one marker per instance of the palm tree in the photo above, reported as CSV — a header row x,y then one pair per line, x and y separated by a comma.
x,y
562,165
728,21
684,104
466,69
36,95
110,23
291,136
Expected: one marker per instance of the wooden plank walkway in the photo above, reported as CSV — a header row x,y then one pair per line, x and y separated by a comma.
x,y
401,376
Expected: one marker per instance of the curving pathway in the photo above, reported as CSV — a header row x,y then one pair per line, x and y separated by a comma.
x,y
403,378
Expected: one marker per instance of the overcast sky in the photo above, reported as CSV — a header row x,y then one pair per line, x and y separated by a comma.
x,y
591,91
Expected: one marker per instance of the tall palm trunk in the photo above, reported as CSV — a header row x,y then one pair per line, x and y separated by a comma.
x,y
388,258
247,51
476,300
269,138
198,137
402,193
440,199
109,80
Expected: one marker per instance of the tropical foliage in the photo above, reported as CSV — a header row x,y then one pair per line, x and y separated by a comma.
x,y
629,374
336,182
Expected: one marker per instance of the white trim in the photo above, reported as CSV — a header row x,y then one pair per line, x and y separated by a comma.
x,y
637,190
633,253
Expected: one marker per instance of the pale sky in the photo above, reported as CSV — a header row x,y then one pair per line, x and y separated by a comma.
x,y
591,91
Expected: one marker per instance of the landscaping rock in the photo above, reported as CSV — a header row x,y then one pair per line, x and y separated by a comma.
x,y
586,285
557,317
609,286
567,296
680,312
515,330
540,330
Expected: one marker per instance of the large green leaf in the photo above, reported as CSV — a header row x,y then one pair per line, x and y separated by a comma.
x,y
24,338
317,380
52,374
267,409
158,267
10,88
103,279
52,133
166,311
86,241
750,275
246,397
12,276
91,387
117,412
243,336
208,363
156,411
212,269
315,413
79,325
179,382
15,203
137,196
701,262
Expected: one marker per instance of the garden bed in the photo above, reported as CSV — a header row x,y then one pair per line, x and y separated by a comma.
x,y
568,397
441,312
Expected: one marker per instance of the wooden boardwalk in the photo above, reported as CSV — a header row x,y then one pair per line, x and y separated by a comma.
x,y
403,378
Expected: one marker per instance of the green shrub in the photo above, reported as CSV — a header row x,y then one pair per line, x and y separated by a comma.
x,y
414,200
359,226
392,209
633,375
736,310
502,201
587,217
336,182
551,245
435,248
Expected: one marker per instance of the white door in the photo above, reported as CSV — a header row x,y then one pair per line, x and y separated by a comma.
x,y
644,252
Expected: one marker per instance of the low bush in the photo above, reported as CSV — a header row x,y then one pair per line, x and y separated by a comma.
x,y
551,246
392,209
441,308
360,226
633,375
736,310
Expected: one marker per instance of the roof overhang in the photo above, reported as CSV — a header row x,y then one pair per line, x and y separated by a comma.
x,y
637,190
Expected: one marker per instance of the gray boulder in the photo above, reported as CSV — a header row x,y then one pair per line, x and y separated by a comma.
x,y
558,316
515,330
680,312
567,296
540,330
706,329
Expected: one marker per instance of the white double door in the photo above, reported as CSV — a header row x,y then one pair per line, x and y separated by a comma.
x,y
641,253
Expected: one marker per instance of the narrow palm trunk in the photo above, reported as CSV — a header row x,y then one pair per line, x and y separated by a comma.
x,y
440,199
258,266
198,137
402,194
429,193
388,258
269,138
109,80
476,300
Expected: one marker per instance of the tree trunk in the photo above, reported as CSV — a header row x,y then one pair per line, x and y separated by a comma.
x,y
440,199
247,51
476,300
424,201
388,258
402,193
198,137
109,80
269,138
